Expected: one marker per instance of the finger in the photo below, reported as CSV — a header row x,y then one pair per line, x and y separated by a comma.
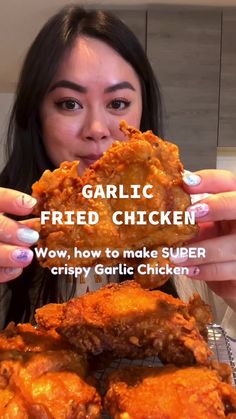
x,y
7,274
214,272
217,250
15,202
15,233
15,256
206,231
209,181
31,223
215,208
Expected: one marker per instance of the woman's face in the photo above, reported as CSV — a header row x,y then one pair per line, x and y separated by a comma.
x,y
93,90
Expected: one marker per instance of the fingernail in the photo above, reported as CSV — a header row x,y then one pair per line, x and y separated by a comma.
x,y
13,271
22,255
191,179
193,270
26,201
200,209
27,235
178,259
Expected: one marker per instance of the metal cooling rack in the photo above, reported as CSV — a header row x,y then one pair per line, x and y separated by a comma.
x,y
220,345
217,340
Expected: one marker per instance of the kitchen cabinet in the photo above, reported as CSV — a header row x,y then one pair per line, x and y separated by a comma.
x,y
183,46
193,54
227,111
135,20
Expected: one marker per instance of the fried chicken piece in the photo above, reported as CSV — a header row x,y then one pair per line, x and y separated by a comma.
x,y
54,314
26,338
42,377
202,313
46,385
143,159
130,322
51,315
170,393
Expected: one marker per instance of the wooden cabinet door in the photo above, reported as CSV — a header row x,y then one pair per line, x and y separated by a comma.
x,y
227,114
183,45
135,20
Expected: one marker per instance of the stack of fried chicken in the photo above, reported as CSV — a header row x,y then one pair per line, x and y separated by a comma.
x,y
48,371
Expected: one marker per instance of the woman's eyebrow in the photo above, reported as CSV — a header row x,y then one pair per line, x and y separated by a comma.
x,y
117,86
69,85
81,89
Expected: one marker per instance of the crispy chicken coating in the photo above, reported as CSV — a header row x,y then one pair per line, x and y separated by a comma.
x,y
143,159
42,377
44,385
26,338
130,322
170,393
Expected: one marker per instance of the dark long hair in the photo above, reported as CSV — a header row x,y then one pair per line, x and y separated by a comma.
x,y
26,154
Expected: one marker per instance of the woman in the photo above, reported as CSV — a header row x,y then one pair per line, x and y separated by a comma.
x,y
84,72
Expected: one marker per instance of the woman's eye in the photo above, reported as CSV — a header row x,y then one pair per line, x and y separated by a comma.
x,y
69,105
119,104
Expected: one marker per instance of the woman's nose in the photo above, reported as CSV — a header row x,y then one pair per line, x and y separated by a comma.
x,y
96,129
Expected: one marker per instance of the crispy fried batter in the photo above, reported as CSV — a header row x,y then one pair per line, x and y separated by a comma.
x,y
42,377
143,159
44,385
131,322
26,338
170,393
51,316
202,313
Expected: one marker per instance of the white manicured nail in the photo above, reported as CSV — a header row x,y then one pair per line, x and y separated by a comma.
x,y
27,235
191,179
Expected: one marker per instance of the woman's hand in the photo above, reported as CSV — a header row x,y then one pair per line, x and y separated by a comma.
x,y
15,237
216,216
